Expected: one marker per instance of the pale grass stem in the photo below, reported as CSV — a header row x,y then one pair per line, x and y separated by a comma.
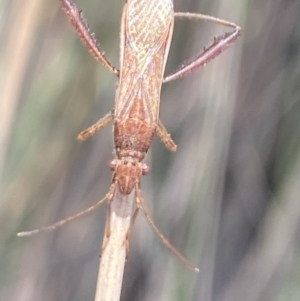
x,y
114,252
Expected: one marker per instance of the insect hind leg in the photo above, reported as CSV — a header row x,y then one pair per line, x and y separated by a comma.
x,y
220,43
75,16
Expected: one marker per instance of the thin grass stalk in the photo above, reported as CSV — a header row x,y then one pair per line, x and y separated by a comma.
x,y
112,262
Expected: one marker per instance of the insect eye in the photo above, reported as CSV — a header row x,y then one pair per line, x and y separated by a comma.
x,y
145,169
113,164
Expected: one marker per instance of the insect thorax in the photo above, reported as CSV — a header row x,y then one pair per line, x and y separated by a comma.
x,y
133,138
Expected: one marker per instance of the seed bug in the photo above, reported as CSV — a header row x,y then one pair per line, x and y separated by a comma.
x,y
146,34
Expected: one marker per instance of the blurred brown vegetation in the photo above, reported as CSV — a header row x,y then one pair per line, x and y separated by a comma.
x,y
228,199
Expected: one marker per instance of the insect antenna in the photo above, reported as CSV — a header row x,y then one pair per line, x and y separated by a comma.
x,y
141,205
60,223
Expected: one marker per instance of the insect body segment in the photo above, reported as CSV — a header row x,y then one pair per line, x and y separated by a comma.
x,y
145,43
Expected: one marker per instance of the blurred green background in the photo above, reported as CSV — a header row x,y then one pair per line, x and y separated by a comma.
x,y
229,198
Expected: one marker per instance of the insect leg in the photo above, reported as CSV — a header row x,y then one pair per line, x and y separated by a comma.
x,y
141,205
165,137
107,229
135,213
96,127
219,45
75,16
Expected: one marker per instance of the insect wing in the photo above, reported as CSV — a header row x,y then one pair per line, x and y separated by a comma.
x,y
145,42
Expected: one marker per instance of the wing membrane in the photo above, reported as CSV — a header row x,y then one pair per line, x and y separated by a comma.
x,y
144,49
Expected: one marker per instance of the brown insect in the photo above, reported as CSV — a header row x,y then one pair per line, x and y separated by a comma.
x,y
146,33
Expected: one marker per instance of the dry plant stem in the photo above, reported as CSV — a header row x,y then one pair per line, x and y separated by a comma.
x,y
114,250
